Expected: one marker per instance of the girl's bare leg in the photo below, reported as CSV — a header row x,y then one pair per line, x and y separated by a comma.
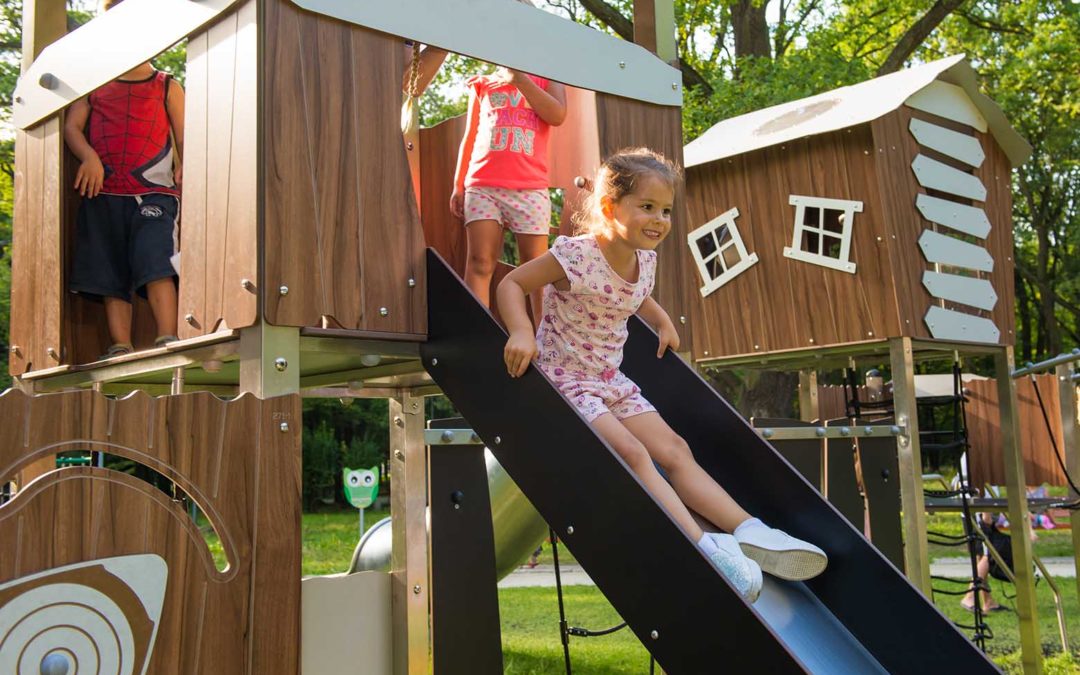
x,y
532,246
637,457
485,238
694,487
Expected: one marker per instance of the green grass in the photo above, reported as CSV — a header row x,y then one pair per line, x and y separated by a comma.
x,y
530,616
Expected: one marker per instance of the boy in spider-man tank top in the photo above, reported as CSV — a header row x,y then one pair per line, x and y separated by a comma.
x,y
124,134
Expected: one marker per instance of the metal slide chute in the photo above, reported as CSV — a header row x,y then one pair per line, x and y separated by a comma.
x,y
860,616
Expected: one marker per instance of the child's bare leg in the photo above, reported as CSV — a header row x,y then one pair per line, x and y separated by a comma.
x,y
485,238
696,488
531,246
118,316
637,457
162,296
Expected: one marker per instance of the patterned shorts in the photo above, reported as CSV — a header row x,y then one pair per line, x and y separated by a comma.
x,y
620,397
523,211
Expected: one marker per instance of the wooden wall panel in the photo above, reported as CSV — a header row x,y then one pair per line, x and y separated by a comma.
x,y
624,123
985,459
231,457
341,224
36,282
896,148
219,235
781,303
443,231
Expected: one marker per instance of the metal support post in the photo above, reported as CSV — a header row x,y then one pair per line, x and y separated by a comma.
x,y
1019,517
909,456
1070,444
408,513
808,396
269,360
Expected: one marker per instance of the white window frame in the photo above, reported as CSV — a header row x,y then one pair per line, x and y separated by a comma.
x,y
795,251
746,259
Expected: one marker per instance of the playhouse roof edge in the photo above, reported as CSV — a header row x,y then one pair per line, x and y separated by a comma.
x,y
846,107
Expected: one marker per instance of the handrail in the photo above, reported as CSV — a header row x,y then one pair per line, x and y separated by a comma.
x,y
94,54
1058,360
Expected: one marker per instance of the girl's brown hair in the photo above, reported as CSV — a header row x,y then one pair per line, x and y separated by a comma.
x,y
616,178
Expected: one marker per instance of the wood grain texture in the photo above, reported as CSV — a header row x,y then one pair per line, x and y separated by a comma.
x,y
342,229
219,235
781,303
36,290
624,123
230,457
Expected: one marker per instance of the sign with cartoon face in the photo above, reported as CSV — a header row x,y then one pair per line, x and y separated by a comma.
x,y
361,486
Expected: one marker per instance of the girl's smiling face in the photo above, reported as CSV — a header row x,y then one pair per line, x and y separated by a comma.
x,y
642,218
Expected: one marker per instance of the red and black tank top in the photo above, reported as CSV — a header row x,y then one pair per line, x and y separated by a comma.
x,y
129,130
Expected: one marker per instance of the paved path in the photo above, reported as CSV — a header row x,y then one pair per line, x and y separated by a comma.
x,y
574,575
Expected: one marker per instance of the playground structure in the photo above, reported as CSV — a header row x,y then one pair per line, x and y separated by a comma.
x,y
305,220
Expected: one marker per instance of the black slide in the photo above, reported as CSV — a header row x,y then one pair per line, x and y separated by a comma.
x,y
860,616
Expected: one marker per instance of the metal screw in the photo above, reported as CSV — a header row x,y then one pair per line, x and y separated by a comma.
x,y
570,529
283,290
655,634
475,438
384,311
15,350
498,440
869,430
434,362
820,431
398,422
52,354
18,99
447,436
284,427
844,431
409,145
399,455
190,318
416,589
622,64
682,319
248,285
412,282
767,433
894,430
280,364
674,86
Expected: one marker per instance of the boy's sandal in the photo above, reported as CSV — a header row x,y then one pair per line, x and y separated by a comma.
x,y
118,349
163,340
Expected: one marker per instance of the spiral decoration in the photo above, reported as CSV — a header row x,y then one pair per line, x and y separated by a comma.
x,y
94,618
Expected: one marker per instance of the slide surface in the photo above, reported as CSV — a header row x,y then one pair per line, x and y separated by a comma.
x,y
861,616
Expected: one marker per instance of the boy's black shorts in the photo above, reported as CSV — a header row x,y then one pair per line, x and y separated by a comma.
x,y
123,243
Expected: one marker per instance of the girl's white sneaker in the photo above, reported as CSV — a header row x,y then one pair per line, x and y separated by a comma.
x,y
743,573
781,554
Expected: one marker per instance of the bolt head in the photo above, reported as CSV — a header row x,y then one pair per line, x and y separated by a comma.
x,y
399,422
622,64
284,427
416,589
280,364
384,311
447,436
682,319
434,362
399,455
283,290
498,440
654,634
190,318
412,282
248,284
570,529
674,86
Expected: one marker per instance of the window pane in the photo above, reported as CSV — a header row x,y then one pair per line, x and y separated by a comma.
x,y
811,242
706,245
716,267
834,220
812,216
731,256
832,247
723,234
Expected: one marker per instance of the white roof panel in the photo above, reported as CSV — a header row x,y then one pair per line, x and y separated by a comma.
x,y
846,107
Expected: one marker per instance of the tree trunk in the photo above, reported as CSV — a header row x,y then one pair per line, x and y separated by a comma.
x,y
914,36
1023,306
751,29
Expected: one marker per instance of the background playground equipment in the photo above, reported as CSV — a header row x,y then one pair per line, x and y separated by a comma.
x,y
361,487
305,222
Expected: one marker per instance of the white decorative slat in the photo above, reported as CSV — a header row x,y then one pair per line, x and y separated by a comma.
x,y
947,324
948,101
935,175
960,289
945,250
91,55
962,147
960,217
522,37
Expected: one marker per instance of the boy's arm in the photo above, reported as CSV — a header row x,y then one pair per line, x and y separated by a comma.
x,y
91,174
655,316
472,121
510,295
550,105
174,106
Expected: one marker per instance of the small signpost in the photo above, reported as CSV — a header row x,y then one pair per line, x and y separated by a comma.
x,y
361,488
